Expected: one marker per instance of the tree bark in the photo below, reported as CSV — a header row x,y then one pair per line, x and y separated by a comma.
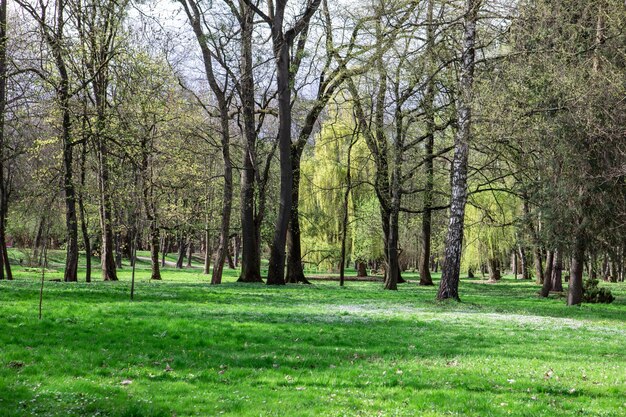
x,y
250,259
295,272
181,251
276,270
525,271
449,285
282,41
4,177
557,271
193,13
429,102
189,251
547,282
575,290
493,264
83,215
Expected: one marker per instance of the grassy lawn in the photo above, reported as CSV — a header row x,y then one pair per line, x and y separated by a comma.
x,y
186,348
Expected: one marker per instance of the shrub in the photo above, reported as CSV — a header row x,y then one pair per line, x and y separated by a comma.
x,y
594,294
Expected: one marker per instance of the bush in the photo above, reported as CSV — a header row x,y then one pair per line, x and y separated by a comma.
x,y
594,294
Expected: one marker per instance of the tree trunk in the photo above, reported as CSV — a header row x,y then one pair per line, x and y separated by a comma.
x,y
195,19
165,240
547,282
276,270
344,223
250,260
393,265
575,290
4,177
429,102
361,269
557,271
181,251
208,251
449,285
83,216
236,250
189,252
154,250
524,270
514,270
538,266
295,271
493,264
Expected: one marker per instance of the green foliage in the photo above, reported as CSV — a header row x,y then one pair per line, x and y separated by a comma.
x,y
322,190
592,293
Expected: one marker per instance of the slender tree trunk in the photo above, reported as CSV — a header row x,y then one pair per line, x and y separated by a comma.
x,y
429,100
4,177
222,248
344,223
181,251
538,265
525,271
208,251
83,215
449,285
155,273
557,271
189,252
71,224
575,290
547,282
165,240
109,272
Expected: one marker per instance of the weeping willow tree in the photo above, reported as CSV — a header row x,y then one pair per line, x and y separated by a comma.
x,y
323,190
490,234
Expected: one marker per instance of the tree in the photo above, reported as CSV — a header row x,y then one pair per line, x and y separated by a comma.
x,y
449,284
283,38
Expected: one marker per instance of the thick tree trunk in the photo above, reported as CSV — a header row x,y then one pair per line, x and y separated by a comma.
x,y
393,264
250,259
575,290
295,271
493,264
449,285
276,270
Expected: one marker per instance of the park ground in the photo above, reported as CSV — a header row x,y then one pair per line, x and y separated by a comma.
x,y
185,348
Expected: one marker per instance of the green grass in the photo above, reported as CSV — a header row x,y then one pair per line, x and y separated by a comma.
x,y
253,350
